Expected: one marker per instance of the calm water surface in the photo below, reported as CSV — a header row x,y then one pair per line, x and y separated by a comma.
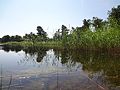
x,y
53,69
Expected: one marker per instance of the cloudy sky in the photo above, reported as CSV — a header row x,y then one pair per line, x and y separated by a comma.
x,y
23,16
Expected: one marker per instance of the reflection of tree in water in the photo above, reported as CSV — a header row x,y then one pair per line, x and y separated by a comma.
x,y
40,54
12,48
108,65
101,66
50,59
45,57
63,54
30,52
5,48
38,51
67,60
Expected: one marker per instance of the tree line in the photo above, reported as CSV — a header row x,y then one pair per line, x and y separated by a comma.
x,y
94,32
40,36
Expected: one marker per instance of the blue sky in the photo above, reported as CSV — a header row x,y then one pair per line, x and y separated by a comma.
x,y
23,16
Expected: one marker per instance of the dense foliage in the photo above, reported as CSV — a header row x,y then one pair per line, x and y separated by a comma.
x,y
94,33
8,38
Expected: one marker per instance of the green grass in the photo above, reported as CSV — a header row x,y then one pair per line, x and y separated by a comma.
x,y
99,39
107,39
50,44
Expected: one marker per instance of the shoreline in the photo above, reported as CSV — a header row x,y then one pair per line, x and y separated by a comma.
x,y
59,46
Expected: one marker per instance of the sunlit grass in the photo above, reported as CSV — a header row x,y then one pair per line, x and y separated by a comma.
x,y
100,39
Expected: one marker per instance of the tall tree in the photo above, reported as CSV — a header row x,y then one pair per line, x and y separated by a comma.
x,y
0,39
86,24
114,16
41,33
17,38
57,35
40,30
5,38
64,30
26,37
97,22
64,35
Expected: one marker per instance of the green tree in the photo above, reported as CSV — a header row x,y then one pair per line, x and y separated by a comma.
x,y
32,37
57,35
0,39
97,22
26,37
41,33
12,38
17,38
65,32
114,17
86,24
5,38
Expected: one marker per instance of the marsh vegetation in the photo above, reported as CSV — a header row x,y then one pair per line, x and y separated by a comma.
x,y
53,66
80,58
95,33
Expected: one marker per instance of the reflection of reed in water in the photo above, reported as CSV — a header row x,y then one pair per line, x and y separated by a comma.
x,y
1,79
9,86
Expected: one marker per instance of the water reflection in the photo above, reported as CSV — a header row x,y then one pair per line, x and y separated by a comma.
x,y
11,48
104,68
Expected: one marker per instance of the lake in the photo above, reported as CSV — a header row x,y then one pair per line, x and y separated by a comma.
x,y
35,68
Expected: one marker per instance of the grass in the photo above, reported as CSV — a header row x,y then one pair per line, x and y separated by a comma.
x,y
36,44
101,39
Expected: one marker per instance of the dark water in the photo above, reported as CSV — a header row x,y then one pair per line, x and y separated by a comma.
x,y
52,69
